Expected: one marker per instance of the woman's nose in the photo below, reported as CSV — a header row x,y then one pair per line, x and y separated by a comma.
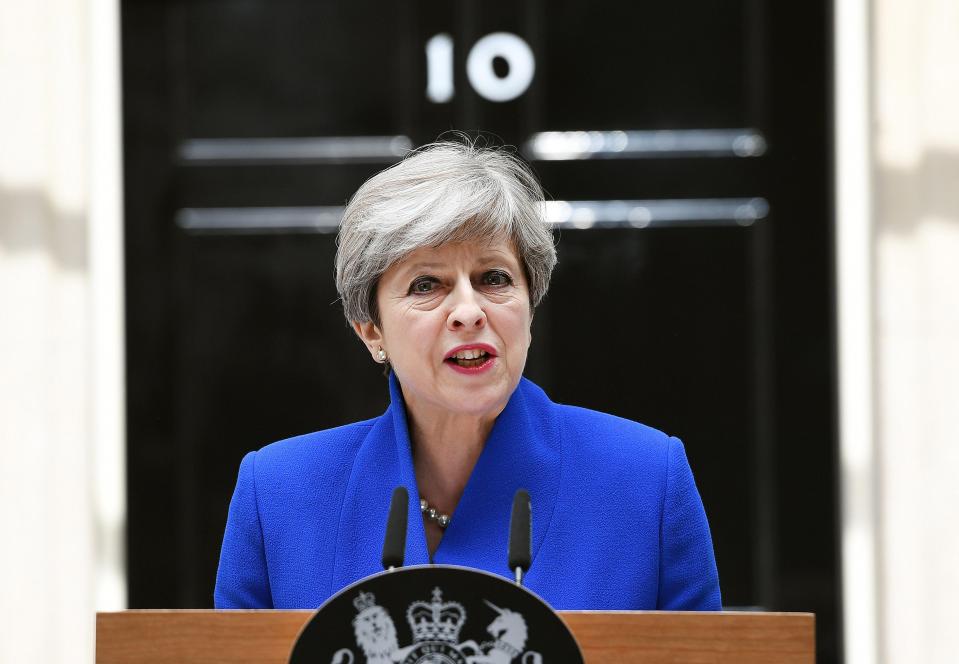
x,y
466,311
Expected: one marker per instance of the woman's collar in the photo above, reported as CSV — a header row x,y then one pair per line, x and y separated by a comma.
x,y
523,450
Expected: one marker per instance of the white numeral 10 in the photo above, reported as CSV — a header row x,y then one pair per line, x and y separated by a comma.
x,y
479,67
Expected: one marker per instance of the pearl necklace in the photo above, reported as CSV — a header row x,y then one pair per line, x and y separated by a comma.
x,y
433,514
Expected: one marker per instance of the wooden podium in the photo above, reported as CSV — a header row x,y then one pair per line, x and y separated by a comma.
x,y
617,637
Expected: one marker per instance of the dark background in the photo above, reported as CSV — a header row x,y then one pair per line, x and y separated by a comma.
x,y
715,326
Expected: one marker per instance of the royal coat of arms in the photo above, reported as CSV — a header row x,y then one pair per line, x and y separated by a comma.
x,y
435,626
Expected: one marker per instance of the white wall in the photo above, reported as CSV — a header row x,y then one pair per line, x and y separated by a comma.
x,y
916,60
898,266
61,446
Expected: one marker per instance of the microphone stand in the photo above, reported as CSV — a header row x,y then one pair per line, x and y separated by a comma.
x,y
394,543
520,553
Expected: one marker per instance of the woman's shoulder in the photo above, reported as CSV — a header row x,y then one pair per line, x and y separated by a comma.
x,y
596,436
613,424
325,447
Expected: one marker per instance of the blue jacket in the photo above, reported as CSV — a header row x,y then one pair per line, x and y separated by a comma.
x,y
617,520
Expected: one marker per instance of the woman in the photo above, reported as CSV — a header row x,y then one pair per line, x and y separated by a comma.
x,y
442,259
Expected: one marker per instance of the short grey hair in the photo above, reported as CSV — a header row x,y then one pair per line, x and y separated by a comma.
x,y
446,191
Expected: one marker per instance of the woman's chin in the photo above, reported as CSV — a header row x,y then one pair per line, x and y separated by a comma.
x,y
481,394
480,397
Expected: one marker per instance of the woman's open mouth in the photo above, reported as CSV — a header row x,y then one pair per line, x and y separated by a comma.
x,y
471,360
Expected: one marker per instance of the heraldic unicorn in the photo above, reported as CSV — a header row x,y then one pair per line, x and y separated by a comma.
x,y
435,627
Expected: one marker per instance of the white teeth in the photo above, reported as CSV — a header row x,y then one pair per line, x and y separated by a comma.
x,y
469,354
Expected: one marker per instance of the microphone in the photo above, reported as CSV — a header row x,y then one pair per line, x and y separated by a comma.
x,y
394,544
520,535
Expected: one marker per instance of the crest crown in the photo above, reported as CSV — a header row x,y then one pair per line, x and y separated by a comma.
x,y
364,601
436,620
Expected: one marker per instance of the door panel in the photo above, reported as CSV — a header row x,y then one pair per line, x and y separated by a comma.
x,y
684,149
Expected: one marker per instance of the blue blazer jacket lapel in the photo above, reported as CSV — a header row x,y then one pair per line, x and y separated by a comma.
x,y
524,450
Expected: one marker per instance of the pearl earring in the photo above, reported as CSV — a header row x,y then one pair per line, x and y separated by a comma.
x,y
382,355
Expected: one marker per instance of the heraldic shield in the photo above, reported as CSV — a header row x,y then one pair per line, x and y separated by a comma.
x,y
436,614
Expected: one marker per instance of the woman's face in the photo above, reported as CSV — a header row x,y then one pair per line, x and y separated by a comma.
x,y
455,324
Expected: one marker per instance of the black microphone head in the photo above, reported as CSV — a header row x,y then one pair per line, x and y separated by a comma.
x,y
521,532
394,544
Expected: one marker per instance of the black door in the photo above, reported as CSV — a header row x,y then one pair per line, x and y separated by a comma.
x,y
685,150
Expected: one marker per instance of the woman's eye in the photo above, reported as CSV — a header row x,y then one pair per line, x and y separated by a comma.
x,y
423,285
497,278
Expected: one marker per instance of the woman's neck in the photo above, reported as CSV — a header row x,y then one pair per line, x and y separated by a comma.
x,y
446,447
445,450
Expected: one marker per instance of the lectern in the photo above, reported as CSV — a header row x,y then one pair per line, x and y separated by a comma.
x,y
606,637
